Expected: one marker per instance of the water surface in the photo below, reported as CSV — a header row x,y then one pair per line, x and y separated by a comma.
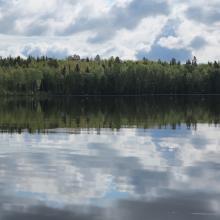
x,y
88,159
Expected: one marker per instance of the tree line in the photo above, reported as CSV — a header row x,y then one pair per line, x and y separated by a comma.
x,y
113,76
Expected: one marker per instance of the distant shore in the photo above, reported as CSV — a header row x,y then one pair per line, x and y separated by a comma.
x,y
109,77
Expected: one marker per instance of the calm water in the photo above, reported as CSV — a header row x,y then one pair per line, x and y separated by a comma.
x,y
153,158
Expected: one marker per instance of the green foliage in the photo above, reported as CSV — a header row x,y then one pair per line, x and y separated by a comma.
x,y
113,76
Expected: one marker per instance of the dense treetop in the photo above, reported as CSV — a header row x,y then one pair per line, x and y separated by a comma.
x,y
76,76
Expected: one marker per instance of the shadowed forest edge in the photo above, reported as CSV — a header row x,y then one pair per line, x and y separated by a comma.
x,y
76,76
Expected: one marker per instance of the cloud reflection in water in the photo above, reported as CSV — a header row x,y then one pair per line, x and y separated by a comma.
x,y
130,174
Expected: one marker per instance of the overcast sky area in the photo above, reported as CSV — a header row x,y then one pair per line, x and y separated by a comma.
x,y
131,29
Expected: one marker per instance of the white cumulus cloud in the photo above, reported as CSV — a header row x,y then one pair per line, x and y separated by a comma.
x,y
128,28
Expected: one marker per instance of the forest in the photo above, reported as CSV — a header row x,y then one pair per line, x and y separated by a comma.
x,y
113,76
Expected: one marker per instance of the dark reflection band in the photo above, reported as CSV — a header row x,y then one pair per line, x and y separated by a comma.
x,y
17,114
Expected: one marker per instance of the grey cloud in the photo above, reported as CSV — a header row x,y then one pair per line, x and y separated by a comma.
x,y
47,213
179,206
136,10
4,2
204,14
118,18
104,26
7,24
37,29
10,15
101,37
198,42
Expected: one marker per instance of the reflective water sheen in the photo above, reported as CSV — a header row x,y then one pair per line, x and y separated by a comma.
x,y
161,171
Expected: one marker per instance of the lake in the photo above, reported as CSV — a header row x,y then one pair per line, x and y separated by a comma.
x,y
154,157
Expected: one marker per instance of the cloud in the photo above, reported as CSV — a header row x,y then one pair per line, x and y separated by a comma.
x,y
207,14
118,27
198,42
52,51
164,53
68,17
178,206
118,17
114,175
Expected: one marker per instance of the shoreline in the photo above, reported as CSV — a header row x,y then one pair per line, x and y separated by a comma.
x,y
87,95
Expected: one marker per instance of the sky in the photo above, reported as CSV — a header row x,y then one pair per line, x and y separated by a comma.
x,y
131,29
